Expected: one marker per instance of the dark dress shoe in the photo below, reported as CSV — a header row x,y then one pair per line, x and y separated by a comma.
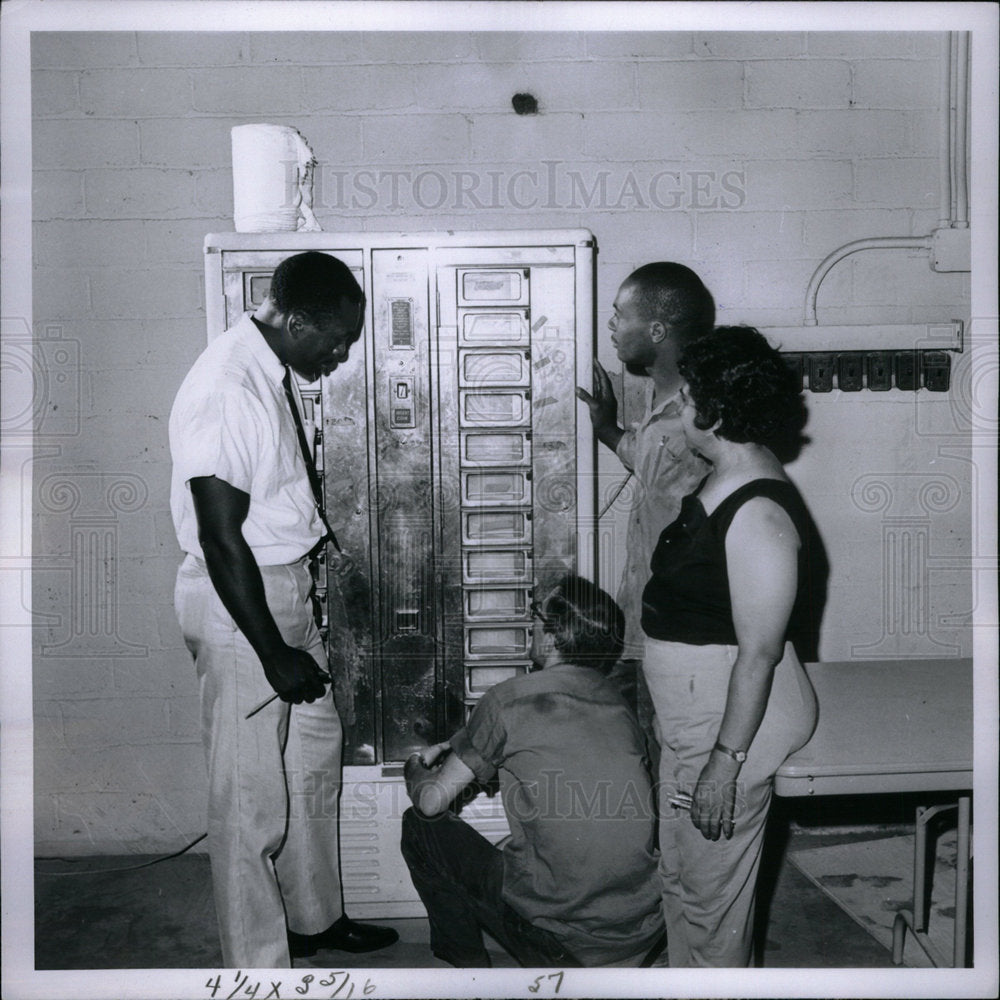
x,y
343,935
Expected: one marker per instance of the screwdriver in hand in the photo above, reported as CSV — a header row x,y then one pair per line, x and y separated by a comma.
x,y
267,701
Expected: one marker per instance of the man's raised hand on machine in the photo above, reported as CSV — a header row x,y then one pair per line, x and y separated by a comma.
x,y
603,407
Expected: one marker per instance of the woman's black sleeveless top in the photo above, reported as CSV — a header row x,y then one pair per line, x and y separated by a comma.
x,y
687,598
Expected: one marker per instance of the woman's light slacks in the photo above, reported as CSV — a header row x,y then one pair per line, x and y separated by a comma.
x,y
709,887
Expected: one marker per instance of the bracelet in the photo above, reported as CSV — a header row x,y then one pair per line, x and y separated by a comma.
x,y
738,755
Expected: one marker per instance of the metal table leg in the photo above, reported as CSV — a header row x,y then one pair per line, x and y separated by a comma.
x,y
916,920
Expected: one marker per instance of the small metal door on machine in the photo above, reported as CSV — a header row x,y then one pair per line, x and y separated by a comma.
x,y
492,286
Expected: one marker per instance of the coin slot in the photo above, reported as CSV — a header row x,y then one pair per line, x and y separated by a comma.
x,y
402,404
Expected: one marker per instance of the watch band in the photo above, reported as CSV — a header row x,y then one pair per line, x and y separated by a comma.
x,y
738,755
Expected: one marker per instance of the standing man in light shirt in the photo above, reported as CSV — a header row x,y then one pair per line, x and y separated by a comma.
x,y
246,515
659,309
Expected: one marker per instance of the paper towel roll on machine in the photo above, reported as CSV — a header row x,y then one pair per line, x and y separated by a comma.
x,y
272,180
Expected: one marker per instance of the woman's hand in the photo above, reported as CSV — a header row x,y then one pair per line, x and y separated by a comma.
x,y
714,800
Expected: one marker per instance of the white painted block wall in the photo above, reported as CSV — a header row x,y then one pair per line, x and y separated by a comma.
x,y
824,138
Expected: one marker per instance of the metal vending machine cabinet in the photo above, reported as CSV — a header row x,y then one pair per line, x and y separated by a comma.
x,y
457,479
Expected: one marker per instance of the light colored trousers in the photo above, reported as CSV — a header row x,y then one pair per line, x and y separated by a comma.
x,y
709,887
274,779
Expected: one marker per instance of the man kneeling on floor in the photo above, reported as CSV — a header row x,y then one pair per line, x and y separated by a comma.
x,y
576,882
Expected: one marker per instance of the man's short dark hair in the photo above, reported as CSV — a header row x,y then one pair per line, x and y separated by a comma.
x,y
586,624
314,283
673,294
735,376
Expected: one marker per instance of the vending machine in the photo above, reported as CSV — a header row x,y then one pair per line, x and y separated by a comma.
x,y
458,481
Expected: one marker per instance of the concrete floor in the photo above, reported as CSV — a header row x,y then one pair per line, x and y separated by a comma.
x,y
163,916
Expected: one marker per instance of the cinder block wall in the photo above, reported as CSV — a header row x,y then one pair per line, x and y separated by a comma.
x,y
748,156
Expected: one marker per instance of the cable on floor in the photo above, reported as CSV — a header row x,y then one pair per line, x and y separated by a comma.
x,y
112,871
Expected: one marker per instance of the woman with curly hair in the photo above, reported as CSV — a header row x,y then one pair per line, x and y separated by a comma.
x,y
720,612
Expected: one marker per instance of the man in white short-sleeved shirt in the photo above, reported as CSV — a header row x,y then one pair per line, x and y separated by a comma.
x,y
246,517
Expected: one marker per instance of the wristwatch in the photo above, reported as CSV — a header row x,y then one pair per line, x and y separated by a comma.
x,y
738,755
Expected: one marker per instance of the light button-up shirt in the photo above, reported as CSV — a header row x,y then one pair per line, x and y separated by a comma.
x,y
665,471
231,420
